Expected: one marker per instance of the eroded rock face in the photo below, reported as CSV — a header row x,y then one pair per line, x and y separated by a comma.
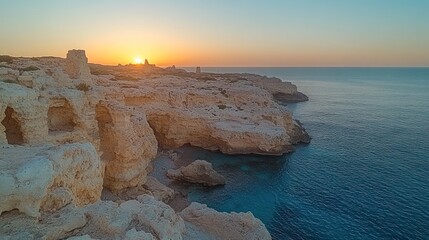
x,y
144,218
60,225
205,223
146,215
77,64
34,117
284,92
48,178
199,171
233,117
128,144
21,115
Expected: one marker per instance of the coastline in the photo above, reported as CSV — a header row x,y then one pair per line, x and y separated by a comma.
x,y
96,130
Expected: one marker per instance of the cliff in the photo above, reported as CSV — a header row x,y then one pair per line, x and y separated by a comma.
x,y
69,129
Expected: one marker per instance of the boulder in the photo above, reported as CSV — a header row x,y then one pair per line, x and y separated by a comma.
x,y
206,223
35,179
199,171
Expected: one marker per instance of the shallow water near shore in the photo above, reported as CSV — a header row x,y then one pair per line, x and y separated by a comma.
x,y
365,174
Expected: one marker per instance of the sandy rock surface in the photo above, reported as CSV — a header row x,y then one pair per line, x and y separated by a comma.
x,y
144,218
48,178
206,223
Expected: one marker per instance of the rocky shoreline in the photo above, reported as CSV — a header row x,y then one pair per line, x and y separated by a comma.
x,y
77,141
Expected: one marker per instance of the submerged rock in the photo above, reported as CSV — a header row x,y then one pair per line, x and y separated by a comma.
x,y
199,171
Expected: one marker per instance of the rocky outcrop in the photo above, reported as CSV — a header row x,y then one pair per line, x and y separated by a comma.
x,y
151,187
299,134
212,132
55,112
77,65
48,178
284,92
233,113
50,227
199,171
22,115
34,117
109,220
127,144
205,223
144,218
238,119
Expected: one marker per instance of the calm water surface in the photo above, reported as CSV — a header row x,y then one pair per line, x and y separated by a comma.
x,y
365,174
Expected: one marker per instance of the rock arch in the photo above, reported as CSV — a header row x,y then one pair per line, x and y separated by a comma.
x,y
13,127
61,117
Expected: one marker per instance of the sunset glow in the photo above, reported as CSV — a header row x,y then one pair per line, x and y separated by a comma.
x,y
138,60
223,33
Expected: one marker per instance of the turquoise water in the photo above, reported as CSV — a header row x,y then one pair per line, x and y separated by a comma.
x,y
365,174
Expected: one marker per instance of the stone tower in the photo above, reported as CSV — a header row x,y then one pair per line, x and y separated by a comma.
x,y
77,65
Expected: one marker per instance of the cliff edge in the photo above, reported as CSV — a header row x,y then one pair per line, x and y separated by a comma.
x,y
70,129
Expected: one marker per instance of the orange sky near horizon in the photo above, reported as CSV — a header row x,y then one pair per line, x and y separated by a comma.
x,y
221,33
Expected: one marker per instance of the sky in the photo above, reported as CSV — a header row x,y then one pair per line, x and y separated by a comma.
x,y
221,32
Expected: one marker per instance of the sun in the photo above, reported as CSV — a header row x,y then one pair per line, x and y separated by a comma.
x,y
138,60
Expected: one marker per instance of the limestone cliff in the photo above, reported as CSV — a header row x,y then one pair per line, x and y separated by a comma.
x,y
68,129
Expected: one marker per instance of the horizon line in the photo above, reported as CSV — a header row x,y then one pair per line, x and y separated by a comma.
x,y
297,66
248,66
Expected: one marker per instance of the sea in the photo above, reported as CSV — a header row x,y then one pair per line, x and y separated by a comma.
x,y
365,174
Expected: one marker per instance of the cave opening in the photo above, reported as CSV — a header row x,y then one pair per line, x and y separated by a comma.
x,y
13,127
61,118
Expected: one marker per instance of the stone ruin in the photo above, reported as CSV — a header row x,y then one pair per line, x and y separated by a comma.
x,y
77,65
